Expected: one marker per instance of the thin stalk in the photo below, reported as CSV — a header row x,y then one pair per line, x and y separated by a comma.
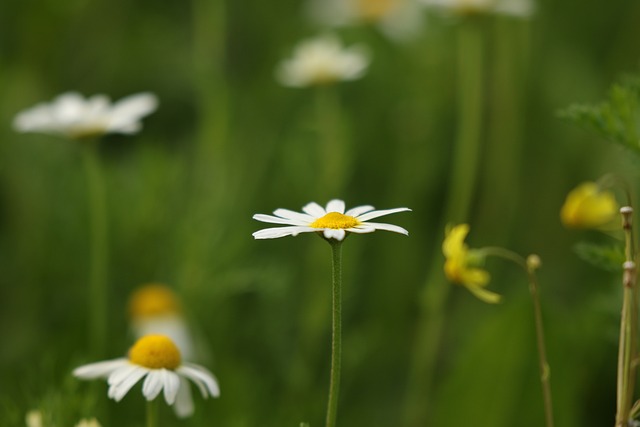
x,y
459,197
530,265
152,413
333,145
336,333
502,161
542,352
627,346
98,250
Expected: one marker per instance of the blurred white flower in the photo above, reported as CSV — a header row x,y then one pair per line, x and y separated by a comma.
x,y
516,8
322,61
92,422
154,309
158,359
34,418
75,117
397,19
333,222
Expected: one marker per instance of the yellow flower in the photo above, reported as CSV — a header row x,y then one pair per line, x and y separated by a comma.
x,y
588,206
458,265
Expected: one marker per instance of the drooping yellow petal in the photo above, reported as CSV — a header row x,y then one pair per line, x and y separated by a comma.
x,y
475,277
587,206
457,268
485,295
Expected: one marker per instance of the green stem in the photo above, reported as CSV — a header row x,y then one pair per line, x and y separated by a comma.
x,y
502,161
152,413
470,101
333,148
459,197
336,333
628,327
542,352
545,371
625,357
98,251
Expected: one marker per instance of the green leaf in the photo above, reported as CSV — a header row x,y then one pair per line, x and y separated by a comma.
x,y
608,258
617,118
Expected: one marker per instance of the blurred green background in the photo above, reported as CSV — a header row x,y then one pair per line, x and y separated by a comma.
x,y
228,141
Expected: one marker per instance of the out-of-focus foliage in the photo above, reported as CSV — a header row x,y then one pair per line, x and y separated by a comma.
x,y
607,257
617,119
228,141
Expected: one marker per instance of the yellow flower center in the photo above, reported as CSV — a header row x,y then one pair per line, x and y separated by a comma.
x,y
336,221
155,352
153,300
376,9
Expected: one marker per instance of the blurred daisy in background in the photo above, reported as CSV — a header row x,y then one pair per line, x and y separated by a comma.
x,y
154,309
515,8
91,422
397,19
333,222
322,61
34,418
158,360
72,116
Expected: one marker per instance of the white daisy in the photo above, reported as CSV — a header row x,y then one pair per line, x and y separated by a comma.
x,y
158,359
154,309
516,8
322,61
332,221
74,117
397,19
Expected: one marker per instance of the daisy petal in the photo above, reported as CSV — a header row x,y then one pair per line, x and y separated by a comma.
x,y
376,214
335,205
99,369
314,209
276,220
171,384
200,374
68,107
198,383
295,216
118,390
276,232
184,402
331,233
129,110
361,229
152,384
121,374
359,210
387,227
